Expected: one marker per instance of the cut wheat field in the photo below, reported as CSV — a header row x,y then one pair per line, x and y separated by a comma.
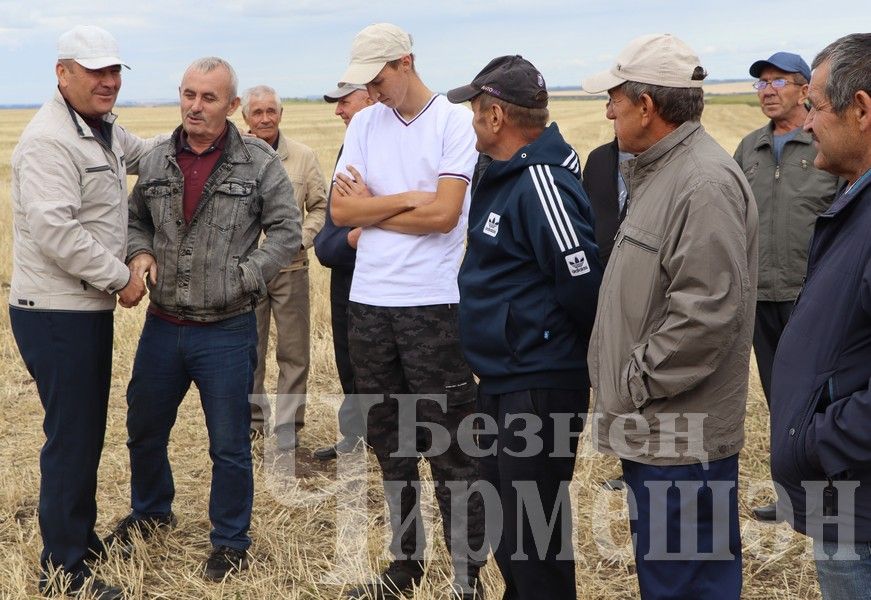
x,y
313,527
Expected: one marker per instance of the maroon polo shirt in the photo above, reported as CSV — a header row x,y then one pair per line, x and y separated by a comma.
x,y
196,169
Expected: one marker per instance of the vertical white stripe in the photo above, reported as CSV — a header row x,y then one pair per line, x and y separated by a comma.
x,y
545,208
562,208
549,193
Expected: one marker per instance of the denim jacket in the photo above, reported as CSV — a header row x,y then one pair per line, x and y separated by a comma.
x,y
211,268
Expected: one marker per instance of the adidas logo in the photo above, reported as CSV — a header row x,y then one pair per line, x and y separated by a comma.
x,y
491,227
577,264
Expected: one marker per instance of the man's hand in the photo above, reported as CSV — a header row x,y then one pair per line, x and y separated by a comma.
x,y
135,289
353,185
354,237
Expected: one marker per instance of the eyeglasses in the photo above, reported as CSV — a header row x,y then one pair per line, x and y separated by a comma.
x,y
777,84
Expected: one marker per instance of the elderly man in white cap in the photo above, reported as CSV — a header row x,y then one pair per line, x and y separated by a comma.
x,y
69,202
404,178
670,348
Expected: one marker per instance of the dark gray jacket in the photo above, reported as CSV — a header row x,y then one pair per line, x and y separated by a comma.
x,y
789,196
212,269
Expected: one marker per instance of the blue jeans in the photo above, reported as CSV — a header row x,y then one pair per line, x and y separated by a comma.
x,y
678,557
843,579
69,355
220,358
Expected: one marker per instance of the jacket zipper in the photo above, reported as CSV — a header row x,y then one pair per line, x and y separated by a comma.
x,y
637,243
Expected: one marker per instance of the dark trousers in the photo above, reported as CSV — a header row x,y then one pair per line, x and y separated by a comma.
x,y
545,475
350,414
672,568
415,351
771,318
220,358
69,355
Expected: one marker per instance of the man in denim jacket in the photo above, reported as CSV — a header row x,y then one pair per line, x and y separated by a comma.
x,y
196,215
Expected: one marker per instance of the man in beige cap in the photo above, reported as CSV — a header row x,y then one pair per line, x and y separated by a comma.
x,y
287,294
670,349
404,178
69,205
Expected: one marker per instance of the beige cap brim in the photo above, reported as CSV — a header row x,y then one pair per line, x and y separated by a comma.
x,y
601,82
362,73
100,63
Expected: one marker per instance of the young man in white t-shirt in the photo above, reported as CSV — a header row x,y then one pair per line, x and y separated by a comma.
x,y
403,177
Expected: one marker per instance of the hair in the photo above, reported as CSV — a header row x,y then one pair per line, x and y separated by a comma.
x,y
521,116
849,61
258,91
208,64
394,64
674,105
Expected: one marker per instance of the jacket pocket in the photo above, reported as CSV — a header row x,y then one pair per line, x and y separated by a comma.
x,y
231,205
820,400
158,200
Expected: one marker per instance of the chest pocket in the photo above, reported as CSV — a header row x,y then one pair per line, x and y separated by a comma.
x,y
158,199
232,205
640,273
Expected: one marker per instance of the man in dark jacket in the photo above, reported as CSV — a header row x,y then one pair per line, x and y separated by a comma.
x,y
607,192
336,249
528,288
821,400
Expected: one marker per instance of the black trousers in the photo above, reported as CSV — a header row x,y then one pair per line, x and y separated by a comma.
x,y
350,415
525,479
771,318
69,355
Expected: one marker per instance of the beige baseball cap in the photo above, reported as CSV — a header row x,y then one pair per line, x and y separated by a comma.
x,y
90,46
373,48
656,59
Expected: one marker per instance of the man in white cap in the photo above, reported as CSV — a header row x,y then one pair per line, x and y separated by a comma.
x,y
404,178
336,249
670,349
69,203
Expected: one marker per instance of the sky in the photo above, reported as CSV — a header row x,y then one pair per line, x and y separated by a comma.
x,y
301,47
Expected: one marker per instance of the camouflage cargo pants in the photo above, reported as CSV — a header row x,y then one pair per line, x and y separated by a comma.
x,y
415,352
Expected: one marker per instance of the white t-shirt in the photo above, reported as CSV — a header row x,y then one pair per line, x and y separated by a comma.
x,y
394,156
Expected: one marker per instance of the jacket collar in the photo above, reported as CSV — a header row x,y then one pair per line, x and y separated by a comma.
x,y
667,144
82,128
766,134
234,147
845,196
282,149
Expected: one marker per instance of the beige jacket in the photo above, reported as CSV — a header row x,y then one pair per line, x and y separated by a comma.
x,y
670,349
69,211
309,189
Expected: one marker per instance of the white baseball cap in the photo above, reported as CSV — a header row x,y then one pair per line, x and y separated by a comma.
x,y
90,46
373,48
655,59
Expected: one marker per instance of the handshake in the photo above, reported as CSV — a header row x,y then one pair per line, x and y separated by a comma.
x,y
140,265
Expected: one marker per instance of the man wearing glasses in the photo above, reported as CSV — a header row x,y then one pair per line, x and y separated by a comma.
x,y
790,192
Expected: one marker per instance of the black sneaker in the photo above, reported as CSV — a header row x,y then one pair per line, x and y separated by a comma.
x,y
89,588
401,576
225,560
121,537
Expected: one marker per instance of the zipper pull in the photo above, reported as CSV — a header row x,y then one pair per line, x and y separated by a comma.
x,y
777,172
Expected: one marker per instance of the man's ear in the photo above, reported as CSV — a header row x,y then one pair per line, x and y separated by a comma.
x,y
647,108
862,108
233,106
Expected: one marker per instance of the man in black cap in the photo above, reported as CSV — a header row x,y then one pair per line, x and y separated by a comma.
x,y
528,288
778,160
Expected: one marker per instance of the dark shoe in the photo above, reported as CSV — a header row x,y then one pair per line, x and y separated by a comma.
x,y
224,561
286,438
767,513
90,588
121,537
401,576
614,485
345,446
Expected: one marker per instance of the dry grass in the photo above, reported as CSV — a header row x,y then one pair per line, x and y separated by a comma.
x,y
311,533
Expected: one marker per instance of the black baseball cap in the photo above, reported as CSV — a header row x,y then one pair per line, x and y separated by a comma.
x,y
510,78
